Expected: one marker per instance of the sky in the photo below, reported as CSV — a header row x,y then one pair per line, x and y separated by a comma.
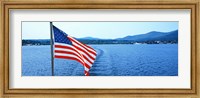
x,y
103,30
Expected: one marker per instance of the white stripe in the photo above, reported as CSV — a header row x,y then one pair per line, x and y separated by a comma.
x,y
86,69
77,50
84,49
90,59
58,48
62,44
59,54
68,50
69,55
88,63
81,44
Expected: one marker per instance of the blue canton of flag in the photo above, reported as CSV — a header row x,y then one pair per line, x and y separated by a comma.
x,y
60,36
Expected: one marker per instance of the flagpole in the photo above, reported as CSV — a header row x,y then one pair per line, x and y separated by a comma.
x,y
52,50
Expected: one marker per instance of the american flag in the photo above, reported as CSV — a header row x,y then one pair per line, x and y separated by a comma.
x,y
66,47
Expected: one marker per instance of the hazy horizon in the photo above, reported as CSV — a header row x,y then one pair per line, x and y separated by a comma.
x,y
101,38
99,30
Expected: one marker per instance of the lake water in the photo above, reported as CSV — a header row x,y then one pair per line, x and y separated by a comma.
x,y
112,60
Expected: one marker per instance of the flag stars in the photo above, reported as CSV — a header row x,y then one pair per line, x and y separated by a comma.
x,y
60,36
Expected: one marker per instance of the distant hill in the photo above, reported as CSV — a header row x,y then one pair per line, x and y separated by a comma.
x,y
173,35
154,35
88,38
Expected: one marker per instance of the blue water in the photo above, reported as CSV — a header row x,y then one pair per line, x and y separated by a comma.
x,y
112,60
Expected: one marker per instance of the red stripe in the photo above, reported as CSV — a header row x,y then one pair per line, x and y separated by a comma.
x,y
65,52
86,73
84,52
85,49
88,66
87,59
71,58
67,47
83,45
